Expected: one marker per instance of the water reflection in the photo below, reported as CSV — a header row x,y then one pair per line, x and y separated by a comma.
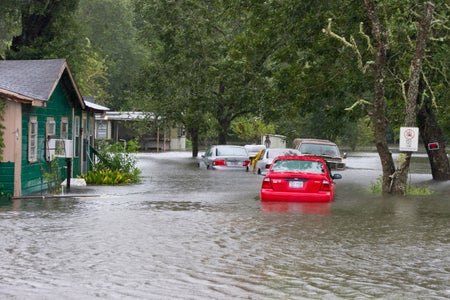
x,y
292,207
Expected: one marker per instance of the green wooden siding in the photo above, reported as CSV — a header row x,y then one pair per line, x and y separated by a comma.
x,y
6,179
33,173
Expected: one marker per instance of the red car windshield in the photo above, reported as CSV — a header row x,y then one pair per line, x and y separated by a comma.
x,y
306,166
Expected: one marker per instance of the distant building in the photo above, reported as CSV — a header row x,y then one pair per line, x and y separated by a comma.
x,y
111,125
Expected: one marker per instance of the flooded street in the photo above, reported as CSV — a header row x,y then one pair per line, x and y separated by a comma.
x,y
190,233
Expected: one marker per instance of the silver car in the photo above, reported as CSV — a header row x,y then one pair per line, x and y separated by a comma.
x,y
263,164
226,157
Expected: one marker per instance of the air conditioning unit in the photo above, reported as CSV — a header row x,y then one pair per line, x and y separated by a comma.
x,y
59,148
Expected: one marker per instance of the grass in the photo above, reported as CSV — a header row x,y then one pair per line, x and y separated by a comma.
x,y
411,190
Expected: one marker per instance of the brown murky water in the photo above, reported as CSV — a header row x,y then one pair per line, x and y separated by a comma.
x,y
189,233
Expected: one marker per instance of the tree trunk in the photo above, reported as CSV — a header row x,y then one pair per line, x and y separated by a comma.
x,y
224,126
35,24
379,115
430,132
222,116
400,177
193,132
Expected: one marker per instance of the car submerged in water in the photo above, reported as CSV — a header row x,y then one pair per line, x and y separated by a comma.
x,y
263,163
226,157
298,179
325,149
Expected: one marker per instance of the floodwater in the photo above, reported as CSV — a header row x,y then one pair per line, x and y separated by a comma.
x,y
190,233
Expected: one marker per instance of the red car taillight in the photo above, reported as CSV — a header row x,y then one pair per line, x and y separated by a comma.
x,y
246,163
219,162
266,183
326,185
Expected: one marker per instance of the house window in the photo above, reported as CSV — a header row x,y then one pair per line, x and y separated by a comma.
x,y
32,139
50,133
102,130
77,136
64,129
50,128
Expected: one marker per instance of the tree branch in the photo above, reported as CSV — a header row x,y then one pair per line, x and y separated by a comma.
x,y
343,40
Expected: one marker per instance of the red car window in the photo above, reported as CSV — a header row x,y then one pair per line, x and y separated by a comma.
x,y
306,166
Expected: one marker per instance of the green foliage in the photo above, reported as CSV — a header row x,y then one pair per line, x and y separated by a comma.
x,y
361,135
205,63
116,166
188,144
376,186
3,196
194,69
251,129
418,191
91,72
52,176
410,189
9,25
42,24
115,56
108,177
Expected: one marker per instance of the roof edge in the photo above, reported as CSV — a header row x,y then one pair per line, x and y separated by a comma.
x,y
65,67
12,96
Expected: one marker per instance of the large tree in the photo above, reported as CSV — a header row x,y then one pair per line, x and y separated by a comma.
x,y
41,22
400,177
395,177
41,29
173,82
108,25
304,84
434,94
401,80
193,72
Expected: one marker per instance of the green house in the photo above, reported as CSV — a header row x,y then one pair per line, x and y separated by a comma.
x,y
47,126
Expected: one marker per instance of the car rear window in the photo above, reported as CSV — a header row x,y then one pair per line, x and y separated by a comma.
x,y
306,166
231,151
319,149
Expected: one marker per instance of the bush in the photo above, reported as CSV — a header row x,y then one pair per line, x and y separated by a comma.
x,y
116,164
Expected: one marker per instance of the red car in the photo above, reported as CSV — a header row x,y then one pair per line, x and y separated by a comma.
x,y
299,179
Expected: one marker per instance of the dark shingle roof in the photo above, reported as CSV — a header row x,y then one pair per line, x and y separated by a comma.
x,y
36,79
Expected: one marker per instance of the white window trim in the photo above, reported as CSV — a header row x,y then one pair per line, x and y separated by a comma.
x,y
77,138
33,139
50,133
50,129
64,134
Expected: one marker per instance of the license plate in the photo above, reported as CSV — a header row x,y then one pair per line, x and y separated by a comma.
x,y
296,184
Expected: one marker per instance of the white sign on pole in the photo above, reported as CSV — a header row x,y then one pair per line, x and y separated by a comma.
x,y
409,139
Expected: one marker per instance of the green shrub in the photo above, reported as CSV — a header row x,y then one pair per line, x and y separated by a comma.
x,y
116,164
107,177
51,173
